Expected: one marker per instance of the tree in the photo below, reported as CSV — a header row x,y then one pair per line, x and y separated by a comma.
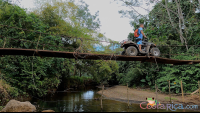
x,y
36,75
165,12
173,22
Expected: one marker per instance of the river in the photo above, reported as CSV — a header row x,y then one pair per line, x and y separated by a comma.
x,y
83,101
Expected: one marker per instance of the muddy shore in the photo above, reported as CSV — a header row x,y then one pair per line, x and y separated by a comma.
x,y
119,93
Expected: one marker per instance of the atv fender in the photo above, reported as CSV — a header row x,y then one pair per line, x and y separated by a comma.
x,y
128,44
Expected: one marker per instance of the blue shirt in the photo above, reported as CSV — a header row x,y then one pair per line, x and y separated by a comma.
x,y
139,30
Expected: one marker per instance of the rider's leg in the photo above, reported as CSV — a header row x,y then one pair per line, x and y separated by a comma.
x,y
140,47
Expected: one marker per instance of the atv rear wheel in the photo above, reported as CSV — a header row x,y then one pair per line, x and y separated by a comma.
x,y
155,52
131,51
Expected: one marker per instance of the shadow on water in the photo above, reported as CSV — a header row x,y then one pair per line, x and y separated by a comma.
x,y
87,100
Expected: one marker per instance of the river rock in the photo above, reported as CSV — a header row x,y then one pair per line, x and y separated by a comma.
x,y
48,111
16,106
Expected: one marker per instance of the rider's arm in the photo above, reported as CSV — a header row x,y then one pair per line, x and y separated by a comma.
x,y
143,34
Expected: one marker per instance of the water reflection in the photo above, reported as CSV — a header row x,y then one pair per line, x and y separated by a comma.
x,y
84,102
88,95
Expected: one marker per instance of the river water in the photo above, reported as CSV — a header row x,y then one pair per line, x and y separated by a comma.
x,y
83,101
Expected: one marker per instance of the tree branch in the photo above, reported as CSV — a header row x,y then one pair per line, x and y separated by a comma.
x,y
134,9
180,24
165,7
169,14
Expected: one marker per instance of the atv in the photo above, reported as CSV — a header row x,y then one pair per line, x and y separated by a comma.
x,y
132,48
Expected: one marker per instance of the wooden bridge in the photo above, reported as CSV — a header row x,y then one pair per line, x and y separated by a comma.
x,y
62,54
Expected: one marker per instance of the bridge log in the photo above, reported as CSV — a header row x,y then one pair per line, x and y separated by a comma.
x,y
62,54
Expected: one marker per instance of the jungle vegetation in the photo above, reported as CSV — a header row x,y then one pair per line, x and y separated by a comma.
x,y
170,22
61,23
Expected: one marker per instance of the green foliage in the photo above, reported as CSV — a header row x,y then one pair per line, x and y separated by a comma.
x,y
35,75
131,36
160,31
1,107
167,98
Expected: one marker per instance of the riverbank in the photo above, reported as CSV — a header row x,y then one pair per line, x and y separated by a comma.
x,y
139,95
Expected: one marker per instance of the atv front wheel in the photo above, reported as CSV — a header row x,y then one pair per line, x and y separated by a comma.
x,y
155,52
131,51
123,53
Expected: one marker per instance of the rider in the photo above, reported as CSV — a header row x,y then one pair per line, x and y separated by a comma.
x,y
140,30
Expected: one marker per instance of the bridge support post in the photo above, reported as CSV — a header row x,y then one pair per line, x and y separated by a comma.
x,y
199,89
156,93
101,98
182,91
127,96
169,92
156,88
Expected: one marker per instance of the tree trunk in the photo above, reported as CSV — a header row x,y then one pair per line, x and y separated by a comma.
x,y
166,1
180,31
74,70
180,25
80,73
